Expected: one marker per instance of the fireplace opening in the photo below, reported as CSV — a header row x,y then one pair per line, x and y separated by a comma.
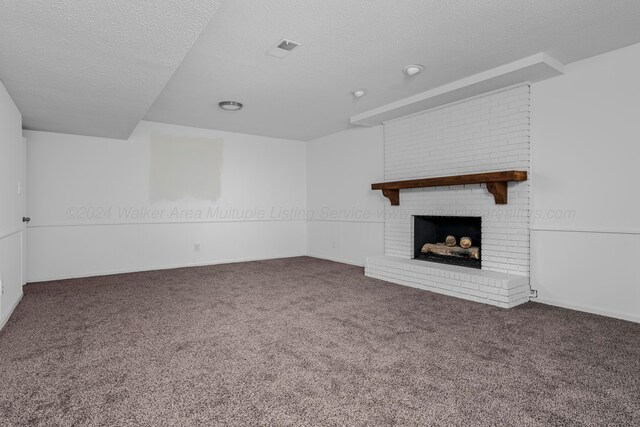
x,y
448,239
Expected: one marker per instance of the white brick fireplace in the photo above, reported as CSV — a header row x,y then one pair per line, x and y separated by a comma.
x,y
483,134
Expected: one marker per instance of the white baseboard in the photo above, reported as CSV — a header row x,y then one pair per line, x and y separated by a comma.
x,y
334,259
163,267
6,318
589,309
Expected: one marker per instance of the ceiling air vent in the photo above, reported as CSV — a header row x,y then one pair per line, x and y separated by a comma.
x,y
282,48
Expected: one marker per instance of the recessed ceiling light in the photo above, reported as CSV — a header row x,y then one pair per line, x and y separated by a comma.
x,y
358,93
230,105
413,69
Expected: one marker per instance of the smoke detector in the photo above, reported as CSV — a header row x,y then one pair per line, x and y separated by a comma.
x,y
282,48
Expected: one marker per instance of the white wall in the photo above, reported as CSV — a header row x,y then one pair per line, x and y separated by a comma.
x,y
585,155
347,222
83,192
12,205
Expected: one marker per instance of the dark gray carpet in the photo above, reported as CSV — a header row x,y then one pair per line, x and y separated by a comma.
x,y
303,341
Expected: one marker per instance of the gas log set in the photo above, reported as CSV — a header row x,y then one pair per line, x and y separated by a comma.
x,y
450,248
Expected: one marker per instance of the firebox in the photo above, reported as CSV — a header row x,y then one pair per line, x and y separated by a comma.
x,y
448,239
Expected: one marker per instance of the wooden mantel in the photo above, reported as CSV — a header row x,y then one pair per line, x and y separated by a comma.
x,y
496,184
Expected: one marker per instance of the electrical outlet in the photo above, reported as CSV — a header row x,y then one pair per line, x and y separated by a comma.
x,y
196,247
333,245
19,188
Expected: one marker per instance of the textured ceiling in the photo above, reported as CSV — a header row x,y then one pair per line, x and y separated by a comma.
x,y
94,67
355,44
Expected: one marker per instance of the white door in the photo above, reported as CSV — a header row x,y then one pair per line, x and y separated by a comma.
x,y
13,204
25,213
